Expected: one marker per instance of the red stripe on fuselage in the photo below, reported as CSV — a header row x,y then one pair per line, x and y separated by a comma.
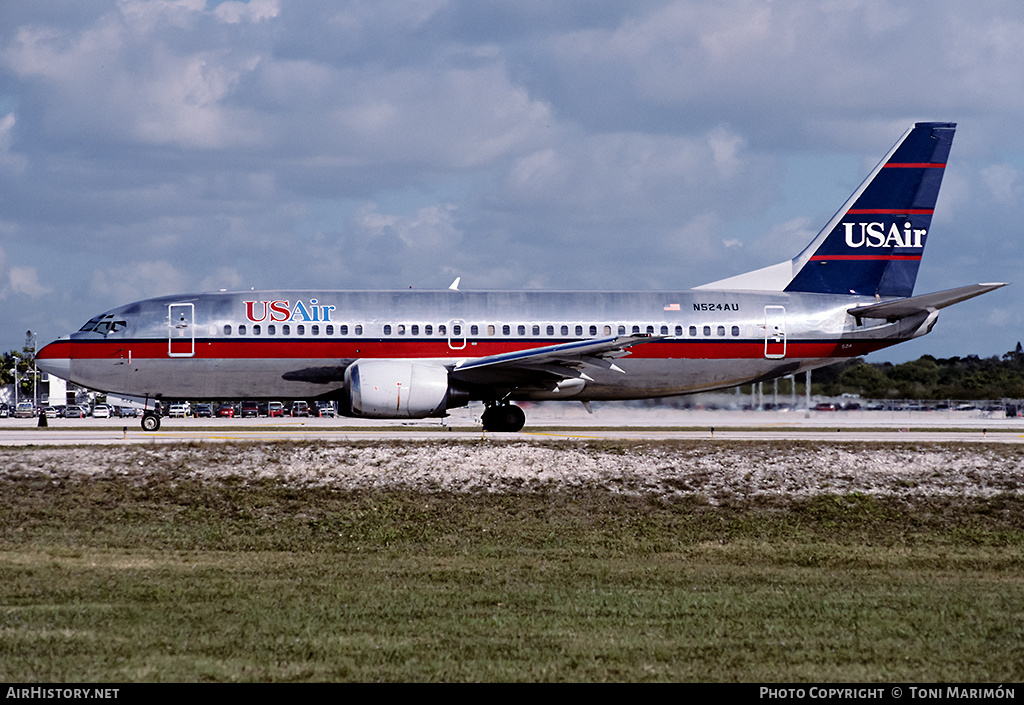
x,y
337,350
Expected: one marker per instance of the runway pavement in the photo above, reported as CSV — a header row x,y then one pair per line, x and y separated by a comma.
x,y
550,422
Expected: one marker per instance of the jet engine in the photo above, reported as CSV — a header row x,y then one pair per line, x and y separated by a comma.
x,y
396,389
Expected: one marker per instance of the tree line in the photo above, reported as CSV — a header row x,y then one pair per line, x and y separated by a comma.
x,y
928,377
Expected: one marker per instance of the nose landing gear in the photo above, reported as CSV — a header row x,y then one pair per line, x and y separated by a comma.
x,y
503,418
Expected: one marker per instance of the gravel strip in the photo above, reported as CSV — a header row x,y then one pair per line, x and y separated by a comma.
x,y
712,470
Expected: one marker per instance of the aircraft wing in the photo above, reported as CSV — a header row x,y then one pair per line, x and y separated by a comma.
x,y
904,308
549,364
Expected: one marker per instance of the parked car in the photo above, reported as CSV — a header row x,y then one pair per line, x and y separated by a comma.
x,y
250,410
74,412
101,411
179,411
24,410
275,408
300,408
204,411
5,410
325,409
50,411
226,410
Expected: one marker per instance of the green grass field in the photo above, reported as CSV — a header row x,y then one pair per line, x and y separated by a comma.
x,y
169,578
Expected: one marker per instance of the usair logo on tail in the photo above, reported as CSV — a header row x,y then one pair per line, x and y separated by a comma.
x,y
874,235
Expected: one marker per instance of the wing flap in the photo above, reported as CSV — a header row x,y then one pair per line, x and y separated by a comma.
x,y
550,363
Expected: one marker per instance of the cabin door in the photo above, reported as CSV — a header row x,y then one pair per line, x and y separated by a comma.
x,y
775,332
181,337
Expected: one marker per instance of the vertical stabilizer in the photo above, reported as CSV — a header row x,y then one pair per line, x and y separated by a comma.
x,y
873,245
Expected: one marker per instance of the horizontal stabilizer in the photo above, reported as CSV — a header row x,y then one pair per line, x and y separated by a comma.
x,y
904,308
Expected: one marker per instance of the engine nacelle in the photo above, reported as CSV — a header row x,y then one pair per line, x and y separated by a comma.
x,y
396,389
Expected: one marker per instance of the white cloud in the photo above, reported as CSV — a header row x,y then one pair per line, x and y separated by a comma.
x,y
25,280
223,278
15,162
131,281
22,280
234,12
1002,181
430,228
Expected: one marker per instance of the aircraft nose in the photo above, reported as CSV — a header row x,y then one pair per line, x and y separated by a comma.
x,y
55,358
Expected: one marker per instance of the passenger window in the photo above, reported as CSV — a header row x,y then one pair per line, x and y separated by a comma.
x,y
593,330
636,330
536,329
343,329
607,330
387,329
414,330
286,329
241,330
506,329
735,331
521,330
442,330
721,331
300,329
330,330
551,330
227,330
693,331
707,330
314,330
579,330
401,329
271,330
664,330
457,329
256,330
428,330
359,329
490,330
650,330
474,329
622,330
565,330
679,330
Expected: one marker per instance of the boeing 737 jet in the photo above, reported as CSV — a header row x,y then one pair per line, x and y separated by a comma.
x,y
416,354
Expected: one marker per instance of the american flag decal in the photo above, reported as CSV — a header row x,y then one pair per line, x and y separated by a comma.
x,y
671,307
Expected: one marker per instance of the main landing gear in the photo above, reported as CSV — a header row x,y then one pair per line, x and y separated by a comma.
x,y
150,421
506,418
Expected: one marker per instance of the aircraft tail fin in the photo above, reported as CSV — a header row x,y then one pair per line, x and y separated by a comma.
x,y
873,245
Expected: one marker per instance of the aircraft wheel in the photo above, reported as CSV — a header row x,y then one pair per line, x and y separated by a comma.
x,y
506,418
150,422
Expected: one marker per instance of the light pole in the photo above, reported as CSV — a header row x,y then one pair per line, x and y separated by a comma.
x,y
30,342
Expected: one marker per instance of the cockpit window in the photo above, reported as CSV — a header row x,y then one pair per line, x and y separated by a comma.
x,y
104,324
90,325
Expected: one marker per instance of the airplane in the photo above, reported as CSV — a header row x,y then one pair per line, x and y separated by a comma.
x,y
411,354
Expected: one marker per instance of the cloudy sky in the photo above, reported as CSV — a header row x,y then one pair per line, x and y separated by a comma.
x,y
164,146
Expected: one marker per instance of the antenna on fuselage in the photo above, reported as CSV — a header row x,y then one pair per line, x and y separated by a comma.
x,y
455,284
